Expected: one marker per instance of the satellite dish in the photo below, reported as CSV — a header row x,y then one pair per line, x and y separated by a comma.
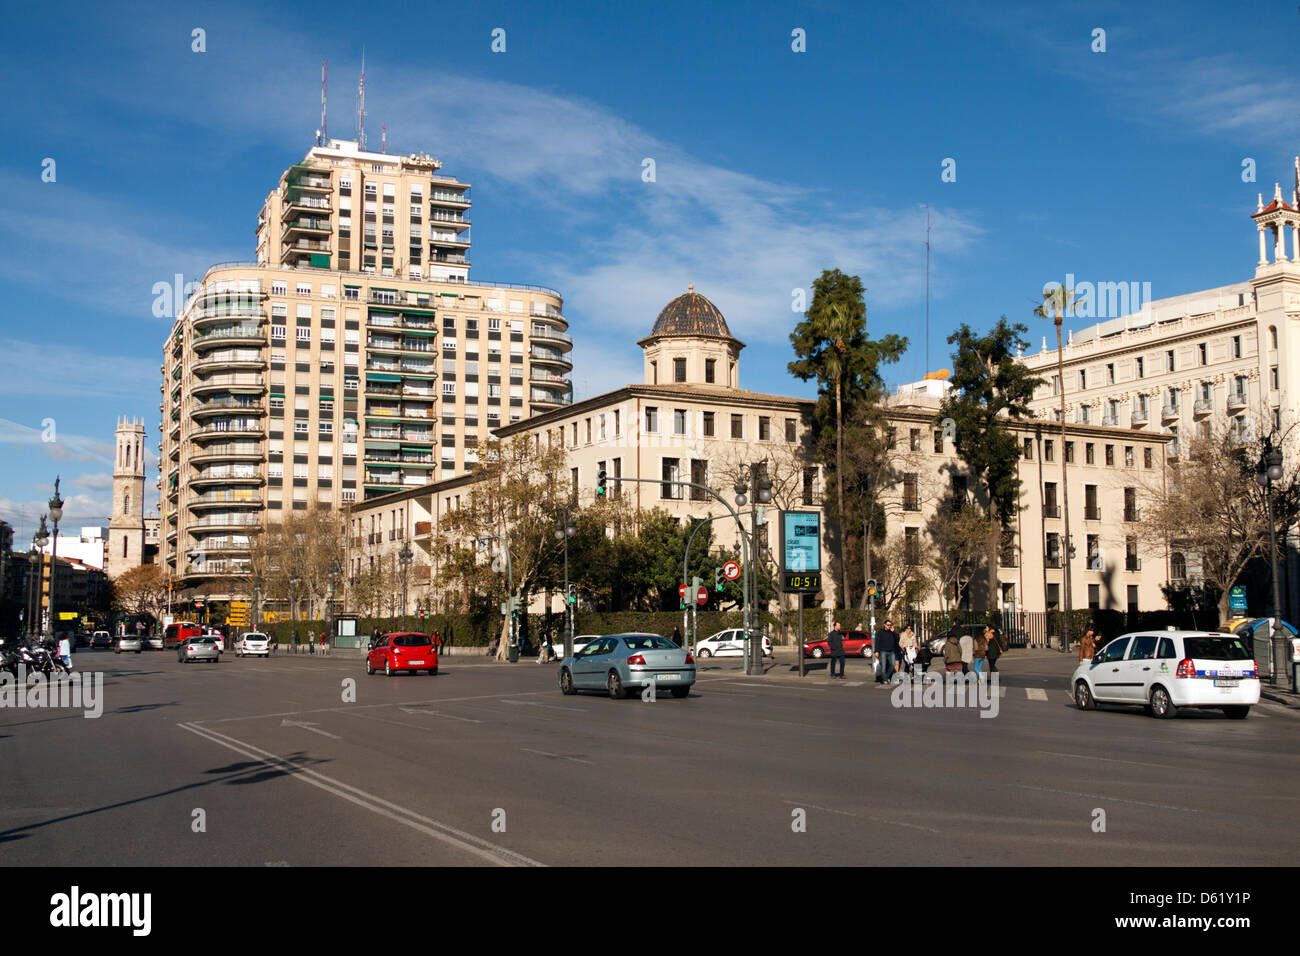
x,y
940,375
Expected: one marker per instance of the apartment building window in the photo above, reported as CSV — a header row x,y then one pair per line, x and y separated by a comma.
x,y
278,331
911,499
1203,353
1094,553
1052,558
1146,452
277,402
671,476
304,288
1090,454
303,333
914,439
1110,456
1140,368
1083,379
1091,510
1028,447
708,425
1094,597
1273,379
449,388
494,325
679,370
710,366
1110,373
300,427
737,426
1069,452
679,421
1054,592
617,418
279,287
651,419
1128,456
600,427
791,433
352,292
1049,450
1236,346
1131,560
1051,509
1169,361
1130,504
764,428
699,476
618,473
574,443
1056,385
809,486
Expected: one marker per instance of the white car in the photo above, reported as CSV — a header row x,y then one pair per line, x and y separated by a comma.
x,y
1166,670
729,643
128,643
253,644
219,638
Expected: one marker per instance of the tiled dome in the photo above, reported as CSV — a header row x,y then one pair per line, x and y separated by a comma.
x,y
691,314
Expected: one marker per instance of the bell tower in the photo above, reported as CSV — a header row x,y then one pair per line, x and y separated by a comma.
x,y
126,525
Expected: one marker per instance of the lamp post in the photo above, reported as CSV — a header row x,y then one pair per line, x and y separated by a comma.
x,y
564,530
1268,471
39,540
293,610
333,579
56,512
760,486
405,556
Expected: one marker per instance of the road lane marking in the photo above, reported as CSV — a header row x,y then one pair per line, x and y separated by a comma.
x,y
443,832
533,703
1035,693
308,725
897,823
1136,763
435,713
554,756
351,707
1140,803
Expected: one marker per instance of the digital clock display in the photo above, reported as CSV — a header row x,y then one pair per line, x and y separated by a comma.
x,y
798,582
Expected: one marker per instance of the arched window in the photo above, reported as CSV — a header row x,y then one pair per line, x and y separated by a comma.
x,y
1178,566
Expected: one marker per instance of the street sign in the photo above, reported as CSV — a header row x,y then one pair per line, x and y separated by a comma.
x,y
702,596
1237,598
731,571
801,552
681,592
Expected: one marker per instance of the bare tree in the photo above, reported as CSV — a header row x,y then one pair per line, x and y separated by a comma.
x,y
959,536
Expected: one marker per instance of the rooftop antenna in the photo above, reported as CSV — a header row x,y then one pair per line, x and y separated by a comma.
x,y
361,105
324,133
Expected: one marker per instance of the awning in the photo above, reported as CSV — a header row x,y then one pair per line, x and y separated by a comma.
x,y
382,377
373,445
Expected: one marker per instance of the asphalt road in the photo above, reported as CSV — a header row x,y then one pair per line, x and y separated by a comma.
x,y
256,762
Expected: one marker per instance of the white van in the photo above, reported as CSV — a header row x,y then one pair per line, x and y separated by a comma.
x,y
253,644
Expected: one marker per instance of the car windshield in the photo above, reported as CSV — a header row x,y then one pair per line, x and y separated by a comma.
x,y
1217,648
412,640
649,642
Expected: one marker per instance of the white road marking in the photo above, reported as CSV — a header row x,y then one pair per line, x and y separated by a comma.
x,y
307,725
435,713
897,823
533,703
348,707
557,756
449,835
1035,693
1136,763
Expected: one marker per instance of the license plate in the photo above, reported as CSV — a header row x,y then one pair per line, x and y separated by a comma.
x,y
1226,683
668,676
414,663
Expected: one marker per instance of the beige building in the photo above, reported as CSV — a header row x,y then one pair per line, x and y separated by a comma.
x,y
401,364
690,421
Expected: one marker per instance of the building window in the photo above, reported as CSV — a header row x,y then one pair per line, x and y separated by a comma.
x,y
1091,510
699,476
679,421
911,546
737,426
1130,504
1140,368
911,500
809,486
1049,450
791,434
1094,597
671,476
1054,596
679,370
1110,456
1110,373
1272,336
1146,454
764,428
1050,508
708,424
1272,378
914,439
1083,379
710,365
1028,446
1236,346
1090,453
1128,456
651,419
1203,354
1069,452
1169,361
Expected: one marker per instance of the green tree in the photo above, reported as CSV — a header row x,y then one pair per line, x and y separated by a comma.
x,y
831,345
990,387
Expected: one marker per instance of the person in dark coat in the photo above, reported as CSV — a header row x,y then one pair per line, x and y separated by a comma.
x,y
952,651
886,647
996,646
835,641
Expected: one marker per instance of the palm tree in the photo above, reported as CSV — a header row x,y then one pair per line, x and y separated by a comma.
x,y
1057,301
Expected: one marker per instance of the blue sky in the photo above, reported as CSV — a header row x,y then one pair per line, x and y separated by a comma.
x,y
770,166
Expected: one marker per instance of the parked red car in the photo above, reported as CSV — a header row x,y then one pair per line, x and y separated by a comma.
x,y
856,644
403,652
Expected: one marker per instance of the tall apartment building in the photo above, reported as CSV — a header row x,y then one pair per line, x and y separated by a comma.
x,y
400,363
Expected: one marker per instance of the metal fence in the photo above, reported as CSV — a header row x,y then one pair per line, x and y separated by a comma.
x,y
1045,628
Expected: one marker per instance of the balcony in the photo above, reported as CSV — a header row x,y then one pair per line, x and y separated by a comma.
x,y
305,248
243,497
1052,562
1203,407
1132,563
1139,417
542,332
305,224
1236,401
224,521
911,503
231,450
1051,511
1110,419
548,379
243,474
219,405
400,345
442,197
1169,413
231,428
1092,514
1132,514
545,398
227,335
1008,558
233,309
224,382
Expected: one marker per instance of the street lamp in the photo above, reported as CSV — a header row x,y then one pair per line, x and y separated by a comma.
x,y
293,610
39,540
405,556
564,530
753,480
333,579
56,512
1268,471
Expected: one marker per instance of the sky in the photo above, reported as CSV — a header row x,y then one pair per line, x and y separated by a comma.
x,y
132,157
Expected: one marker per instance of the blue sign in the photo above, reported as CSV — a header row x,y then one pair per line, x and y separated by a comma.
x,y
801,541
1237,598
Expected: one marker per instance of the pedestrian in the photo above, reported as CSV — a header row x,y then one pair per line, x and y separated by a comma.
x,y
967,652
374,639
324,644
835,641
437,642
907,648
952,659
677,635
886,653
1088,644
996,648
65,650
311,643
980,651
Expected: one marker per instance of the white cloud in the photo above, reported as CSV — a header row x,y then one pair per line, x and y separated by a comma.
x,y
65,371
66,447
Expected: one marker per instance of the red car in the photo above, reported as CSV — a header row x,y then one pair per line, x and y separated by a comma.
x,y
403,652
856,644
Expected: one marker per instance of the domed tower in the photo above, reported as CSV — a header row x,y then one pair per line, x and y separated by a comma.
x,y
690,344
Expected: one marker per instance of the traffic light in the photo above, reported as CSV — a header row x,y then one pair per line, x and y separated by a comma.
x,y
600,483
872,589
719,579
573,594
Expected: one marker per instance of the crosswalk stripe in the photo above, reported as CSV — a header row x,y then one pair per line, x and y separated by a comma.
x,y
1035,693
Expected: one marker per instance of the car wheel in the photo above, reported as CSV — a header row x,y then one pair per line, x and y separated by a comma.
x,y
433,671
614,684
388,668
865,650
1161,705
566,682
369,667
118,651
680,692
818,653
705,653
1237,712
1083,697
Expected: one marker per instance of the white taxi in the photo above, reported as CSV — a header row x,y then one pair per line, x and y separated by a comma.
x,y
729,643
1168,670
253,644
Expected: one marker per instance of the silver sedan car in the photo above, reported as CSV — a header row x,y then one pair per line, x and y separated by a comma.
x,y
198,649
621,664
